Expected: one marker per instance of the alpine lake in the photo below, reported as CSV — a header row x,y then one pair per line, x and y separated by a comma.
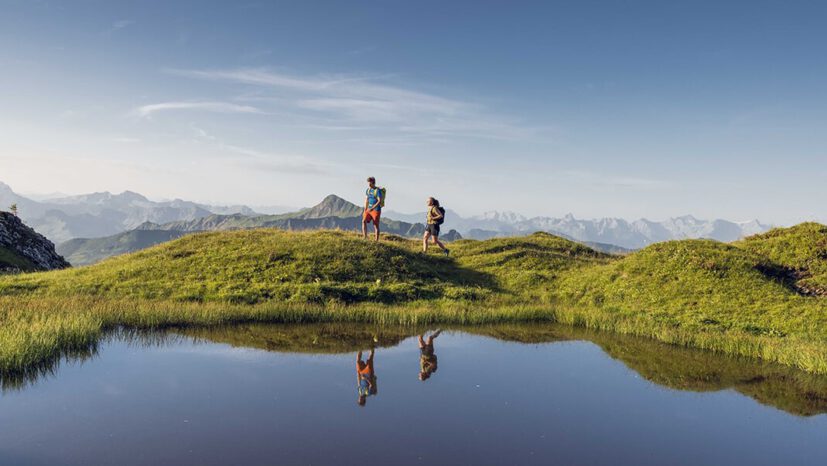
x,y
503,394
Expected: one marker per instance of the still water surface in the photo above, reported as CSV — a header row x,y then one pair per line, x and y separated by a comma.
x,y
266,394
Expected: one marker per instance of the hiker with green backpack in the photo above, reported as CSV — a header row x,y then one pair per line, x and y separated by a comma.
x,y
374,201
435,218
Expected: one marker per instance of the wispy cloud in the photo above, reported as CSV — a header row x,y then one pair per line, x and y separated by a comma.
x,y
338,101
220,107
118,25
257,160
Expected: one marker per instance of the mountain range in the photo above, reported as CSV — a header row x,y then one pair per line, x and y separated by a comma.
x,y
103,214
332,212
106,217
609,231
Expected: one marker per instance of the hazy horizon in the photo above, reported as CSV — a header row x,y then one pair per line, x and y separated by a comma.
x,y
641,110
43,197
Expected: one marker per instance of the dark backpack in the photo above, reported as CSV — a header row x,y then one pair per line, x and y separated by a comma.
x,y
441,220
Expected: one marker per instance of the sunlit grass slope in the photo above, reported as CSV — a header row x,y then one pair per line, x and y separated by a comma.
x,y
801,249
528,265
698,283
253,266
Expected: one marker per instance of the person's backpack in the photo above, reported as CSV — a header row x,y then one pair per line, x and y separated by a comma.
x,y
378,192
441,220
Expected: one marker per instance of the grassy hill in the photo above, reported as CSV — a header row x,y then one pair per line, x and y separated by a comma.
x,y
735,298
252,266
801,250
527,265
85,251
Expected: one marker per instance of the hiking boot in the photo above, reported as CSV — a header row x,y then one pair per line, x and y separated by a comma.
x,y
447,251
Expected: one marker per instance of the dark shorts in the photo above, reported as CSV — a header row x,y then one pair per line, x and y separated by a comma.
x,y
433,229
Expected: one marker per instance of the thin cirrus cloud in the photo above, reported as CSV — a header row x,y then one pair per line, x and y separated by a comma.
x,y
361,102
118,25
147,111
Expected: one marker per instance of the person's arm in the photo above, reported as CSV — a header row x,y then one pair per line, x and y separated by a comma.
x,y
438,214
367,203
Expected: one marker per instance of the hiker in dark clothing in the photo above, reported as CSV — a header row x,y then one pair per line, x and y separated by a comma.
x,y
436,216
427,357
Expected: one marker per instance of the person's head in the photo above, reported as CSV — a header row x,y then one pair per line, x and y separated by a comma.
x,y
433,202
371,182
362,400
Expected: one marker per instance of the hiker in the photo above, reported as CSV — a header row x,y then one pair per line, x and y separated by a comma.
x,y
374,200
365,377
436,216
427,357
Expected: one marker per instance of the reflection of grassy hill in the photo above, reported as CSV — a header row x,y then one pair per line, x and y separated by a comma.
x,y
686,368
329,338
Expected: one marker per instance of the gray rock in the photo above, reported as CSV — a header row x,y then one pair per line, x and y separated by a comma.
x,y
23,241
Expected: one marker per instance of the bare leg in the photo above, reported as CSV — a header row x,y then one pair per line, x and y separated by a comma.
x,y
364,229
425,241
421,342
438,242
376,229
433,335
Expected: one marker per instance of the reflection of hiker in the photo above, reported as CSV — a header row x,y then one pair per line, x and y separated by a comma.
x,y
436,217
374,200
365,377
427,357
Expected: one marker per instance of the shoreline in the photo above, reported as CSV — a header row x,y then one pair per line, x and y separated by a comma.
x,y
43,330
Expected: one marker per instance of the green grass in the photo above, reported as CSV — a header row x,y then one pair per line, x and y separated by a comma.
x,y
735,299
802,250
255,266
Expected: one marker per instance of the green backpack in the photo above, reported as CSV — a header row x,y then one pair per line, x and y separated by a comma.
x,y
382,193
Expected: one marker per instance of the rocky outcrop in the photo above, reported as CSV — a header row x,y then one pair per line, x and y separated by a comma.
x,y
23,242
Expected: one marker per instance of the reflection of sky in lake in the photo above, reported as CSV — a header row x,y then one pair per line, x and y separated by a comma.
x,y
490,402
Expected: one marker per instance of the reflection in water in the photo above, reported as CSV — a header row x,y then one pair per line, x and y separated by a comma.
x,y
19,380
365,377
679,368
427,357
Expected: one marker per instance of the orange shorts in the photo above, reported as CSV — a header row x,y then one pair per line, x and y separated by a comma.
x,y
371,216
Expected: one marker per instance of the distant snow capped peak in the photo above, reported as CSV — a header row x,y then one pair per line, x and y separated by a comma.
x,y
131,196
506,216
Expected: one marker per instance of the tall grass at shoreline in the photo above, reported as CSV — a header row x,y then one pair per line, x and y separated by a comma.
x,y
725,298
41,330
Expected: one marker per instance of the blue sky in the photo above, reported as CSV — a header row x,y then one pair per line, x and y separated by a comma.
x,y
614,108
